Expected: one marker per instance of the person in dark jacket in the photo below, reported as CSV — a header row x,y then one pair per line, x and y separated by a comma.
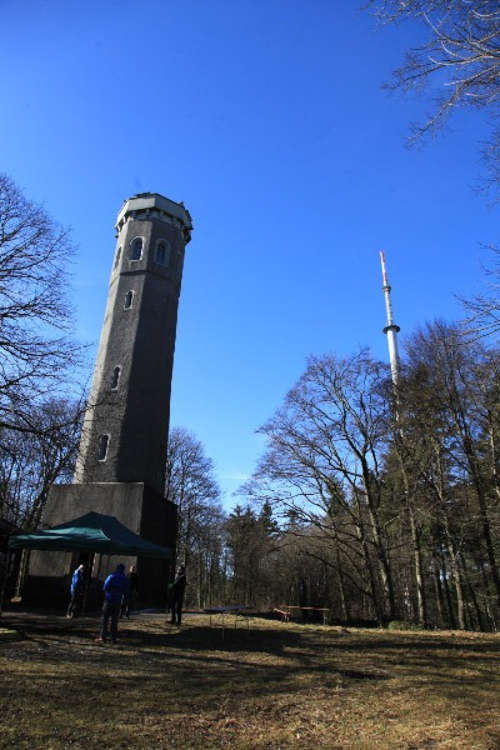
x,y
177,595
76,589
115,587
129,601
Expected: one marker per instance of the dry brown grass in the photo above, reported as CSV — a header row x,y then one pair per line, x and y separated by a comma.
x,y
273,685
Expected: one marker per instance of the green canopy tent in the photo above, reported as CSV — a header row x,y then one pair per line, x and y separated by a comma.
x,y
93,533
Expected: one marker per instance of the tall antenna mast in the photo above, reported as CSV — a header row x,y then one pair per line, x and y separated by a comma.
x,y
391,329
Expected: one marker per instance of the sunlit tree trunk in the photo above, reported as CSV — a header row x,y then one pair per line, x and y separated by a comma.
x,y
478,615
438,593
451,610
380,546
449,540
417,561
377,604
341,585
416,547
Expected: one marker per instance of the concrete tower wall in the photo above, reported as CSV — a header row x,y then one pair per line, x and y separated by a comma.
x,y
129,403
138,337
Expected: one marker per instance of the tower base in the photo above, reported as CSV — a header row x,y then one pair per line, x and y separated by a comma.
x,y
134,504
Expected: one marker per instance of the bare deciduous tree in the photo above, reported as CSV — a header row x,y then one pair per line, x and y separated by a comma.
x,y
36,350
392,498
191,485
462,379
324,464
31,462
461,54
463,47
483,310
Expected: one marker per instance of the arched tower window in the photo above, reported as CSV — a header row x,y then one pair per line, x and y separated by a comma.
x,y
102,447
136,249
117,256
128,299
162,253
115,379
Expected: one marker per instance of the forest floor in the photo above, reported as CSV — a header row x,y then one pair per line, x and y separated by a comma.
x,y
261,684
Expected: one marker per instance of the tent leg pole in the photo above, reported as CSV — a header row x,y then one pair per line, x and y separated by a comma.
x,y
25,558
3,579
88,579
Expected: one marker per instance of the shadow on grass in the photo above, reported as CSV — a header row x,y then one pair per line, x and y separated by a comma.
x,y
141,633
234,645
164,681
167,666
379,640
239,650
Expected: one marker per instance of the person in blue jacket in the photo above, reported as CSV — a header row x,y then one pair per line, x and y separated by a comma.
x,y
115,587
76,590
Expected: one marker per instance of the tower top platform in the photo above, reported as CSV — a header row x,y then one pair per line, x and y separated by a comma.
x,y
155,206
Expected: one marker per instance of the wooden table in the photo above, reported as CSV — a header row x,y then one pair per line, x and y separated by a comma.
x,y
238,611
287,610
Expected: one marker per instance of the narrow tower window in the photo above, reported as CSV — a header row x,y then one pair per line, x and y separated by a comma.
x,y
136,249
102,447
115,378
117,256
128,299
162,254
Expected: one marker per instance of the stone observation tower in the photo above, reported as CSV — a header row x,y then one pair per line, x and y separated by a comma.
x,y
125,430
120,469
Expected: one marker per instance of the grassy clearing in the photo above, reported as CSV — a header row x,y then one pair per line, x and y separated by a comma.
x,y
273,685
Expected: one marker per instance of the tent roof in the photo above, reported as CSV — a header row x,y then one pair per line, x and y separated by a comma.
x,y
92,532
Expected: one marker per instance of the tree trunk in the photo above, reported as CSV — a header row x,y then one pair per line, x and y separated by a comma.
x,y
340,577
382,557
379,609
438,592
477,481
486,587
457,581
416,549
479,617
449,540
417,561
451,611
493,453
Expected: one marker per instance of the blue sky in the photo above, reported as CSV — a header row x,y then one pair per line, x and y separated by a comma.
x,y
268,120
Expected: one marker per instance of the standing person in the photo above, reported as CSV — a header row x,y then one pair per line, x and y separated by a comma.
x,y
170,596
115,587
177,595
76,589
129,600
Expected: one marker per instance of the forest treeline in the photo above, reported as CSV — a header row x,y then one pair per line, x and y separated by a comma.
x,y
381,503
